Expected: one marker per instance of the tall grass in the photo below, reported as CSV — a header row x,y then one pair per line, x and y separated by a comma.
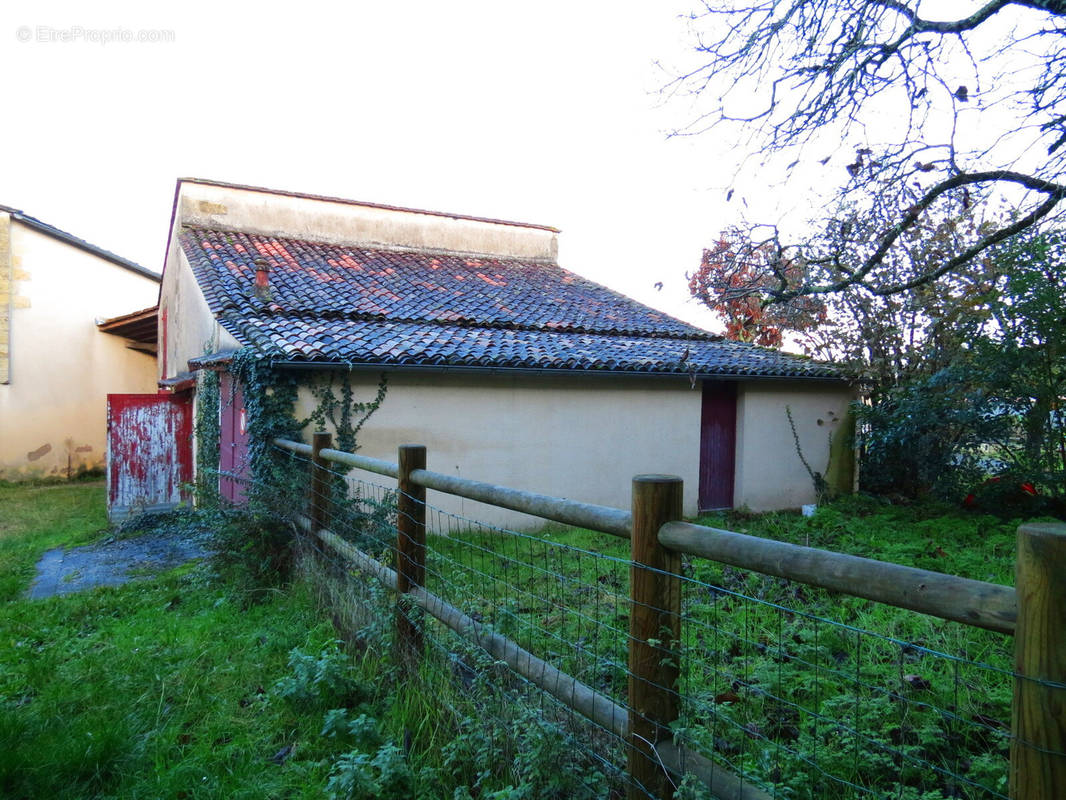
x,y
194,685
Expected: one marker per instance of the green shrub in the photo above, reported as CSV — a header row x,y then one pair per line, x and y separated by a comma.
x,y
253,550
320,681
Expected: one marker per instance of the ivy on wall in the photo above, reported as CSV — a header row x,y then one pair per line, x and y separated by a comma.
x,y
206,432
346,416
270,395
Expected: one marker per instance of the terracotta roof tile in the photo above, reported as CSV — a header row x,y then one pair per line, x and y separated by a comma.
x,y
338,303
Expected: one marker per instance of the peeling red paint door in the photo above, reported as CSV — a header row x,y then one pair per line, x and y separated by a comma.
x,y
718,445
233,440
149,451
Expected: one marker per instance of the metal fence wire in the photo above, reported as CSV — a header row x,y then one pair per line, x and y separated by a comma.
x,y
784,688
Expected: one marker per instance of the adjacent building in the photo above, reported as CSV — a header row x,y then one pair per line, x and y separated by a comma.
x,y
56,364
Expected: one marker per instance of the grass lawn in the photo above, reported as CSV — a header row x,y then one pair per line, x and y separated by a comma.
x,y
190,686
184,686
160,688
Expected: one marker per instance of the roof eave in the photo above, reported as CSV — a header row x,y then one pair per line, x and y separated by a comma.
x,y
81,244
140,326
367,366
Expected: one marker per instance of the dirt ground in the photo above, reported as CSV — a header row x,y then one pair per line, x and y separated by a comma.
x,y
114,562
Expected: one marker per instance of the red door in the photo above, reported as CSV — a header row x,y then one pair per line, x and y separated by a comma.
x,y
149,452
718,445
233,440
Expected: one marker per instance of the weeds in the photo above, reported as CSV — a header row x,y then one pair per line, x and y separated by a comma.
x,y
180,687
322,680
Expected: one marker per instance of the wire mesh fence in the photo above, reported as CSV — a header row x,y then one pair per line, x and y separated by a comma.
x,y
785,690
502,590
815,707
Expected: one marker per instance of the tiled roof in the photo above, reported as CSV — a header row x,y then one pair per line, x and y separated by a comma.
x,y
359,305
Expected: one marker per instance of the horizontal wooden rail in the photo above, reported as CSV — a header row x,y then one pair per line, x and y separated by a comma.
x,y
977,603
570,512
296,447
572,693
567,690
583,515
375,465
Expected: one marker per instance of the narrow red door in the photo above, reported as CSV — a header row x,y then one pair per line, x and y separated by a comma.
x,y
149,452
718,445
233,440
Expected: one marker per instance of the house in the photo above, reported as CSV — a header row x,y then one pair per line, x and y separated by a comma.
x,y
57,364
509,368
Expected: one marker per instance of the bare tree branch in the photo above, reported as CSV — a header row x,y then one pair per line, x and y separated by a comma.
x,y
962,117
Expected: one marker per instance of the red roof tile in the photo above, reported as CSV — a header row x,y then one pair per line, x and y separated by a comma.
x,y
348,304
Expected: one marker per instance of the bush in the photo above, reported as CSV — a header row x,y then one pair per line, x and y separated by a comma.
x,y
323,680
254,550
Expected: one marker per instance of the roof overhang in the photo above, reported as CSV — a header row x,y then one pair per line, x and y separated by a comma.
x,y
222,360
182,382
141,327
214,362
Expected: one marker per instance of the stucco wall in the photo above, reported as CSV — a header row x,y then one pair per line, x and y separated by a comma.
x,y
190,329
6,294
53,410
585,438
579,438
231,208
769,473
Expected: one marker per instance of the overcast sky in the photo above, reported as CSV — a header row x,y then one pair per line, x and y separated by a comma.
x,y
543,112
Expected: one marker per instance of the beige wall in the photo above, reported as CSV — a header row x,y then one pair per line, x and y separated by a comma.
x,y
585,438
228,208
581,438
191,328
61,367
769,473
7,299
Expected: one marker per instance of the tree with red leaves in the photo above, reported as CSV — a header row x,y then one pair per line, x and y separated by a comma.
x,y
736,261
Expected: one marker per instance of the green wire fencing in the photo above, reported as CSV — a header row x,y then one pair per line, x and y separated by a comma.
x,y
663,658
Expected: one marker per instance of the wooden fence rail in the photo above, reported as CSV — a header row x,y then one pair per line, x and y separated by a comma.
x,y
658,538
977,603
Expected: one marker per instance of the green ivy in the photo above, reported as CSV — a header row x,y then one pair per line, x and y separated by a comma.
x,y
207,432
270,396
345,415
256,540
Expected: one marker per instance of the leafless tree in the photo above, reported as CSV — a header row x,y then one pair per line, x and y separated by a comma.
x,y
924,115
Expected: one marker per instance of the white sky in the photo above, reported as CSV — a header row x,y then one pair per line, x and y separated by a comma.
x,y
544,113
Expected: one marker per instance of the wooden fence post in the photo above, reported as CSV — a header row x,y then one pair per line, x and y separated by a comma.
x,y
1038,714
654,632
320,482
410,547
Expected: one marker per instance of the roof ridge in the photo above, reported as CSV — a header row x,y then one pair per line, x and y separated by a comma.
x,y
76,241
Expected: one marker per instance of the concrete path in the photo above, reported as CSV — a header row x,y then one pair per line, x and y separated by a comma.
x,y
114,562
